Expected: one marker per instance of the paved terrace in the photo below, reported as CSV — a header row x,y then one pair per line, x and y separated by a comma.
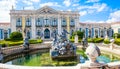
x,y
17,49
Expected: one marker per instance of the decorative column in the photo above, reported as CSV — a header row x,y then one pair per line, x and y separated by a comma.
x,y
13,23
23,26
59,25
33,27
68,26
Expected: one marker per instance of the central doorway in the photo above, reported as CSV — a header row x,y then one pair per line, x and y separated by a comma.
x,y
46,33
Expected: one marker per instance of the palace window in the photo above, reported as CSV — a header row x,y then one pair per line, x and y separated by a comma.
x,y
39,22
119,30
28,22
19,22
46,21
63,21
72,22
54,22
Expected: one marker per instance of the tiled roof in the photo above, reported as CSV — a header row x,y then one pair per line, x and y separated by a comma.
x,y
4,23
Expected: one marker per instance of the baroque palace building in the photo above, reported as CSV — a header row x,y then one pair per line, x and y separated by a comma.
x,y
43,22
46,21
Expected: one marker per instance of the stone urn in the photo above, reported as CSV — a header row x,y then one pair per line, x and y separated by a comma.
x,y
92,53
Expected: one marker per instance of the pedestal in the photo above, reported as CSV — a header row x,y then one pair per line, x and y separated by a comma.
x,y
111,44
76,38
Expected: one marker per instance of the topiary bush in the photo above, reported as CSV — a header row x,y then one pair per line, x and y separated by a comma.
x,y
118,35
106,41
16,36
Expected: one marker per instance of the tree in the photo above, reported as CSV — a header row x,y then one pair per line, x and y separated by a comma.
x,y
16,36
79,33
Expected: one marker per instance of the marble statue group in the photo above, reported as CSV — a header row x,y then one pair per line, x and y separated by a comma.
x,y
62,46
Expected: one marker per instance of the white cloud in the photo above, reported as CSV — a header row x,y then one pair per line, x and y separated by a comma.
x,y
75,5
29,8
88,1
50,4
27,2
30,2
67,3
96,7
82,13
114,17
5,6
92,21
35,0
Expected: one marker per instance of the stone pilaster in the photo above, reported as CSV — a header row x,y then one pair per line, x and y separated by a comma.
x,y
68,26
33,27
59,25
13,23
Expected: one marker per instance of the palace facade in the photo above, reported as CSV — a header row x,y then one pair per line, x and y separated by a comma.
x,y
44,22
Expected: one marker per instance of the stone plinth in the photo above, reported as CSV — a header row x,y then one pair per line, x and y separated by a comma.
x,y
76,38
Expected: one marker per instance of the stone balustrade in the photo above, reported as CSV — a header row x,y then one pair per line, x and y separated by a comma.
x,y
112,65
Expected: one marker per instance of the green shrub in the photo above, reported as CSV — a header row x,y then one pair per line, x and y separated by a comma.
x,y
106,41
3,44
79,40
117,41
39,40
71,40
33,41
79,33
16,36
7,39
15,43
90,40
95,40
118,35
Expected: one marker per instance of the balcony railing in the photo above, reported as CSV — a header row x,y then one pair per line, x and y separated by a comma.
x,y
38,25
28,25
18,25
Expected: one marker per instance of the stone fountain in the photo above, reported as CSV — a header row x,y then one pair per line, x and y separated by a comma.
x,y
62,48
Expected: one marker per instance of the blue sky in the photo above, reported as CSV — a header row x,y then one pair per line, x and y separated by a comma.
x,y
97,11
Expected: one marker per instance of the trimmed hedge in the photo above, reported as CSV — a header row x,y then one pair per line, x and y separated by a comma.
x,y
95,40
4,43
10,43
72,40
106,41
33,41
117,41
